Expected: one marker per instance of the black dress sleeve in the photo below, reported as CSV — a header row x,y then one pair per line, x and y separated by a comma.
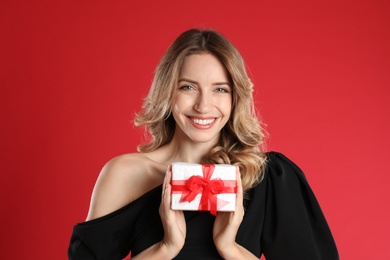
x,y
102,238
294,225
134,227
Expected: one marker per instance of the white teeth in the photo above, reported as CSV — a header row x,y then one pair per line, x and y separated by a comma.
x,y
203,121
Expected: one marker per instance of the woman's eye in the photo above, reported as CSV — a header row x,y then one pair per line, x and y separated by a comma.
x,y
224,90
185,87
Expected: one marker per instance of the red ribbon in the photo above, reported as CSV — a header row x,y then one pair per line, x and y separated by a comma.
x,y
203,185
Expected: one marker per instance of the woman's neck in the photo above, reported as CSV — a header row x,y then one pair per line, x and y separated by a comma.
x,y
179,150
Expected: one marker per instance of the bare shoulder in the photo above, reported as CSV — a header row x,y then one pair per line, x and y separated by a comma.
x,y
122,180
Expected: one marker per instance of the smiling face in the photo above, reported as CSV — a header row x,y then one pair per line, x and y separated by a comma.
x,y
203,101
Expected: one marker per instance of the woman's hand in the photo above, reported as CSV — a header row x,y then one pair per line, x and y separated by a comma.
x,y
226,226
174,226
172,220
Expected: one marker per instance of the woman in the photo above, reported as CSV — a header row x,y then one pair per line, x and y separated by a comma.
x,y
200,110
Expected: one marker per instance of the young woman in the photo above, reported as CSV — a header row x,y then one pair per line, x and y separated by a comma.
x,y
200,110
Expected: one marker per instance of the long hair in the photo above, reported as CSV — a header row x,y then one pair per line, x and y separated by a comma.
x,y
240,138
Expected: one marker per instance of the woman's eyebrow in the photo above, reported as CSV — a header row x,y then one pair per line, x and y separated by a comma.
x,y
188,80
196,83
222,83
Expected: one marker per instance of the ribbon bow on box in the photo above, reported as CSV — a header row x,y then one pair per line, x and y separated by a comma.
x,y
207,187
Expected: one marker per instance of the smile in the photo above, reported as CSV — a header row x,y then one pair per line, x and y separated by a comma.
x,y
203,121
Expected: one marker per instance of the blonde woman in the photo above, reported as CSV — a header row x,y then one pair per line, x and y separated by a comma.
x,y
200,110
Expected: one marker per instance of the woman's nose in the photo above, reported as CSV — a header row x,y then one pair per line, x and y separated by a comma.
x,y
203,103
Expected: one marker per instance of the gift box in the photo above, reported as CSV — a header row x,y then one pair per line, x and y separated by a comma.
x,y
209,187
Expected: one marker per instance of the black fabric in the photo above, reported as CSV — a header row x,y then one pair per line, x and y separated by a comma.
x,y
282,220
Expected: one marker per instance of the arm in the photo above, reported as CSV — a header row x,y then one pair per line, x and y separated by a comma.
x,y
294,225
225,229
174,228
113,215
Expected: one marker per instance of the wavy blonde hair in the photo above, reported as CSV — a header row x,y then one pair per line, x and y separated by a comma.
x,y
240,138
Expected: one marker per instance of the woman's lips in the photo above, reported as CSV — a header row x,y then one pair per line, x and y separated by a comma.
x,y
203,123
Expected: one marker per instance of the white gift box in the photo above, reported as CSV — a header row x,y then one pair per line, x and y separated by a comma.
x,y
211,187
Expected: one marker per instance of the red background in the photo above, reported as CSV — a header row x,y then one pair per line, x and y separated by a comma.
x,y
73,73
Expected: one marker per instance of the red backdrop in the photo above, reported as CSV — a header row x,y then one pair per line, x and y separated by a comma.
x,y
74,72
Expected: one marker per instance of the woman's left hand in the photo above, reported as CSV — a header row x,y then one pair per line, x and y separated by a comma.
x,y
226,225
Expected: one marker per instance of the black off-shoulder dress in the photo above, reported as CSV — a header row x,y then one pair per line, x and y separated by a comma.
x,y
283,220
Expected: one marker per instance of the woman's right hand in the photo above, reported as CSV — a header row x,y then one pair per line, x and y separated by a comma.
x,y
173,221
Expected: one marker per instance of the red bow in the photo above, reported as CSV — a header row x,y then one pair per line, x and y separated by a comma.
x,y
208,188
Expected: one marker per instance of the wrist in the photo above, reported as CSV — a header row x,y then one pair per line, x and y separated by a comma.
x,y
168,251
158,251
230,252
236,252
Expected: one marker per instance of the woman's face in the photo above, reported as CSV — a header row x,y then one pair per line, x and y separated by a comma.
x,y
203,102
